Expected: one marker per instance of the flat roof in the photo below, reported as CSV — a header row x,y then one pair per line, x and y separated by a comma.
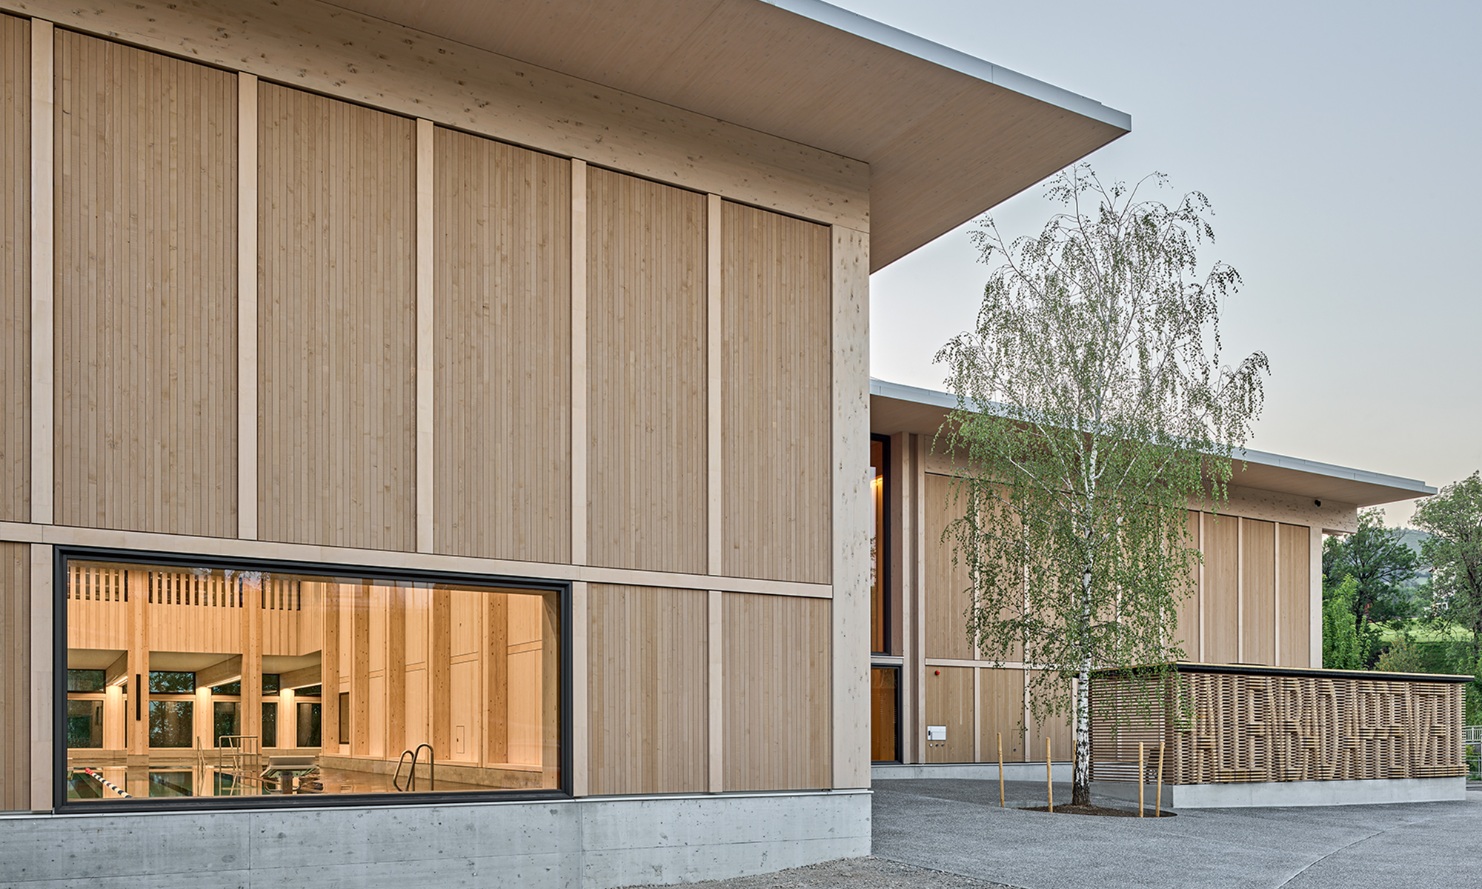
x,y
898,408
947,136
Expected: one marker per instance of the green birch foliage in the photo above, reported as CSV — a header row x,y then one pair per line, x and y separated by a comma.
x,y
1092,405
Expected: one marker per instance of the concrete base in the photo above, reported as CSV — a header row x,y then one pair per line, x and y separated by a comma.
x,y
570,844
979,771
1292,793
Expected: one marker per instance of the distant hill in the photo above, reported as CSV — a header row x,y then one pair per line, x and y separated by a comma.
x,y
1413,537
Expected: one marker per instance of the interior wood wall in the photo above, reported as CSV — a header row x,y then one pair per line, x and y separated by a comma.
x,y
776,372
15,268
647,690
145,291
337,331
948,586
502,317
1221,602
646,335
15,677
777,655
1295,613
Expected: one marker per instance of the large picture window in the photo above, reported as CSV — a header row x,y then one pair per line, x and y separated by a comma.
x,y
210,681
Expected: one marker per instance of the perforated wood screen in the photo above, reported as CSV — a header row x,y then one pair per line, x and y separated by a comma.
x,y
1224,725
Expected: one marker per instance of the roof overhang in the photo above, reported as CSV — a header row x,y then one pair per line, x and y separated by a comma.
x,y
946,135
897,408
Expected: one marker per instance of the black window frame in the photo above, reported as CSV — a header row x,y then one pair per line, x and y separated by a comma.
x,y
62,805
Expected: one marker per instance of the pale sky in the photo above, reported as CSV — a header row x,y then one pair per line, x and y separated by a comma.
x,y
1339,143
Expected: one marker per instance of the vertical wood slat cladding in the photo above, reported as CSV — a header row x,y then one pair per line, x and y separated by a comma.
x,y
777,657
648,690
949,702
15,269
15,676
1258,596
1221,604
776,301
146,282
1186,636
948,586
1296,597
502,472
337,331
1001,709
1056,728
646,369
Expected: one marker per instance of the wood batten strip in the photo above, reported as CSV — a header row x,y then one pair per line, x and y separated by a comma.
x,y
851,504
581,751
247,306
16,627
715,690
43,272
424,277
1240,590
580,532
15,272
715,418
42,679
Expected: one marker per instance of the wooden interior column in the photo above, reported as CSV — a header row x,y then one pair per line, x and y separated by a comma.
x,y
247,306
852,511
396,672
914,723
496,678
440,672
251,721
579,528
137,584
360,671
901,528
426,415
43,305
329,672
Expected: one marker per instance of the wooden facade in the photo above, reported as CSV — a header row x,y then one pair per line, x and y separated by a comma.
x,y
305,319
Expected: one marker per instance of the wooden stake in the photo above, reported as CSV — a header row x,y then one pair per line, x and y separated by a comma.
x,y
1158,809
1049,778
1000,770
1142,774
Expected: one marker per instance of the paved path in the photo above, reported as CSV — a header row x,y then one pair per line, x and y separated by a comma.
x,y
957,827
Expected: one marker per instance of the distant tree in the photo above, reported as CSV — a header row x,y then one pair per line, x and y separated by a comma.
x,y
1343,648
1454,553
1092,405
1383,566
1404,656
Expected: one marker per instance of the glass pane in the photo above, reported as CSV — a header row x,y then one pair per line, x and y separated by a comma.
x,y
84,723
84,680
171,724
347,673
884,714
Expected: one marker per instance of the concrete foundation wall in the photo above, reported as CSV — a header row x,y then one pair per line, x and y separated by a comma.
x,y
1294,793
1012,771
571,844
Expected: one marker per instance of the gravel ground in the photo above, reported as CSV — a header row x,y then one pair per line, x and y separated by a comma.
x,y
855,873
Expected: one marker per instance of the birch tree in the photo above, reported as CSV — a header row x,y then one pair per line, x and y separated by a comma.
x,y
1092,406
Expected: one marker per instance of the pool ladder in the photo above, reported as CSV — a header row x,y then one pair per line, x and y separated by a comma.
x,y
413,755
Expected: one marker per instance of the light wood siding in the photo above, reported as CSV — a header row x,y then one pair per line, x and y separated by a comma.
x,y
15,269
1295,614
1186,635
777,715
647,689
502,351
15,677
1221,590
145,291
948,587
949,702
1258,585
1001,709
337,328
1056,728
646,370
776,380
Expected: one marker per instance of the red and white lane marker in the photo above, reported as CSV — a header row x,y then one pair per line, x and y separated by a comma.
x,y
106,783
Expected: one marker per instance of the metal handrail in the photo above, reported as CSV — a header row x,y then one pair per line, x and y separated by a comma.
x,y
396,778
431,765
415,754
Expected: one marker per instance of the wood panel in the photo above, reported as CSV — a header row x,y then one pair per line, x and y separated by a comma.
x,y
1295,613
337,331
777,396
646,364
948,586
1258,592
502,352
1221,589
1186,632
146,283
648,690
15,676
15,269
1001,709
1056,728
777,692
949,703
